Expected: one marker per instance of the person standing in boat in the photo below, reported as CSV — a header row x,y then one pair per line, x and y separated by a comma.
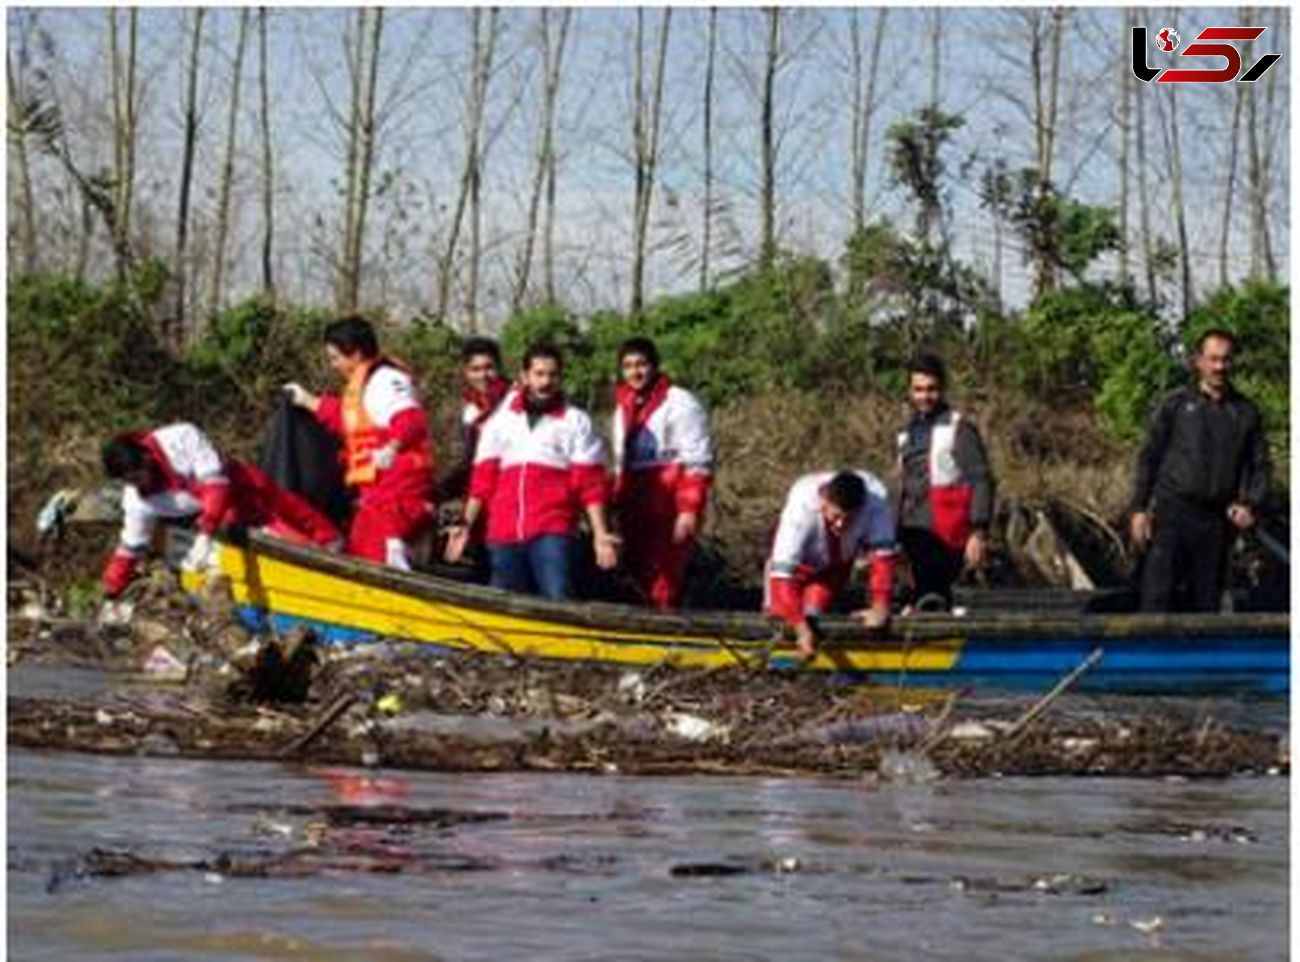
x,y
483,388
175,472
1202,475
387,451
830,520
945,487
663,468
539,460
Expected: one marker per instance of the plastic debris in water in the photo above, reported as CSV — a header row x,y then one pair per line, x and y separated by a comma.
x,y
906,766
389,704
693,728
631,687
1148,926
162,664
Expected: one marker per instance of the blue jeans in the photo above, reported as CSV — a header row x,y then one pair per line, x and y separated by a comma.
x,y
541,564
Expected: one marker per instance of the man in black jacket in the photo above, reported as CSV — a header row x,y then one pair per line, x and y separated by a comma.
x,y
1201,476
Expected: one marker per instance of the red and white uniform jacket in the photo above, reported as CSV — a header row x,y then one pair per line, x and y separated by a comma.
x,y
663,453
533,480
195,483
804,551
944,480
380,405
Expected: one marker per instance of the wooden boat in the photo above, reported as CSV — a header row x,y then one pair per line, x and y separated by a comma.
x,y
345,599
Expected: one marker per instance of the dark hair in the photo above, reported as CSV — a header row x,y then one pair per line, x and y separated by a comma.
x,y
540,350
640,345
122,456
930,365
1221,333
472,347
353,335
846,490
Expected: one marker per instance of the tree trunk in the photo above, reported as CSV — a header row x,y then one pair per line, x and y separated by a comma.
x,y
646,145
706,242
268,184
123,91
365,158
227,171
552,59
1125,136
345,294
176,334
1174,169
480,70
936,44
1225,229
767,253
18,142
863,107
1144,200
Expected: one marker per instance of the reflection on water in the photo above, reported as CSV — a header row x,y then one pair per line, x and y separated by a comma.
x,y
257,861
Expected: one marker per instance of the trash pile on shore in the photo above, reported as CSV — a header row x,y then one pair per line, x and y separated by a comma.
x,y
215,690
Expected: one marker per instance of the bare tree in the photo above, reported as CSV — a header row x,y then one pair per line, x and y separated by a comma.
x,y
864,103
17,129
1173,151
647,112
767,251
190,112
483,45
125,103
1144,199
706,244
936,48
1258,168
364,71
1225,229
228,169
552,62
268,184
1125,137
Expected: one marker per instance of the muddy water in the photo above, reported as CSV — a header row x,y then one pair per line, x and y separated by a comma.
x,y
578,867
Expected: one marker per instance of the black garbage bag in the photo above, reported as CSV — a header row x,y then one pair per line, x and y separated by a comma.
x,y
302,456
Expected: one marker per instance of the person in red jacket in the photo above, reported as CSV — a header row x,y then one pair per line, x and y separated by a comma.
x,y
538,460
387,452
663,468
482,391
830,519
175,472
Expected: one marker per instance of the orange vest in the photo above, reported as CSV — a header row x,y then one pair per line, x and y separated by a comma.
x,y
362,437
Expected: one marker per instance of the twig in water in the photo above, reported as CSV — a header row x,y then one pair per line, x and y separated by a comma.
x,y
1057,690
331,714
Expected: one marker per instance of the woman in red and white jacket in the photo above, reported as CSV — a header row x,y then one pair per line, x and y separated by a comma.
x,y
538,461
175,472
663,469
830,519
387,451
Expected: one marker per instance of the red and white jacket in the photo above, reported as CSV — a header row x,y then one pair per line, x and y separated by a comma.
x,y
804,550
663,453
532,480
392,407
195,482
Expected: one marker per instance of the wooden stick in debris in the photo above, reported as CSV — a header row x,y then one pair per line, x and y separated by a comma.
x,y
337,707
1057,690
939,727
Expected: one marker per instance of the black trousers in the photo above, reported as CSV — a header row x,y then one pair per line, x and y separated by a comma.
x,y
935,565
1186,563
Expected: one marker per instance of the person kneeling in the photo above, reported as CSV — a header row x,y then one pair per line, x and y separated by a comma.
x,y
828,522
176,472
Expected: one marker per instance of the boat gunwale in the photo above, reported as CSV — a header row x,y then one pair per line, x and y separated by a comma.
x,y
756,625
